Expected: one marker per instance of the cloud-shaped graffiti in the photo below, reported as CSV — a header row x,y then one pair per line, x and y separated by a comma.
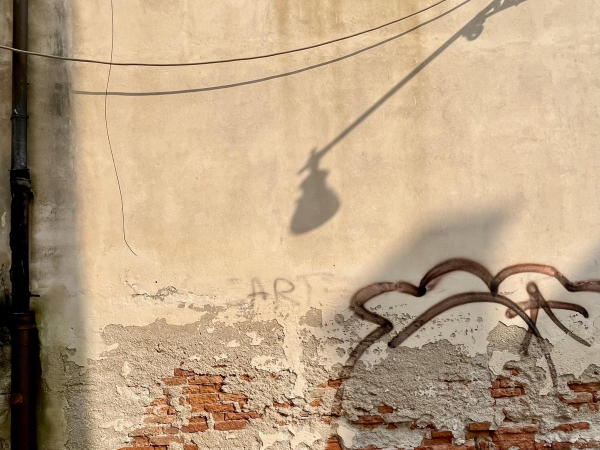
x,y
432,277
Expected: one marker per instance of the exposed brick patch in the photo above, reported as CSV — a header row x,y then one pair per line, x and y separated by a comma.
x,y
333,444
506,387
585,387
568,427
479,436
212,408
583,394
205,395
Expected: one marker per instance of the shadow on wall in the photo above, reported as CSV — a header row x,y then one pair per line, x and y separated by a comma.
x,y
314,207
318,202
54,256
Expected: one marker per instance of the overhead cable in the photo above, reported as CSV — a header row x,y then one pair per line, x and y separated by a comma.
x,y
218,61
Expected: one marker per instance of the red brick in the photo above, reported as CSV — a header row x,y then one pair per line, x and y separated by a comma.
x,y
141,441
190,447
506,392
333,444
573,426
147,431
212,408
477,434
229,425
165,440
195,424
585,387
219,408
199,399
385,409
518,429
175,381
510,437
590,444
441,434
479,426
240,398
247,378
159,401
183,373
242,416
207,379
159,419
315,402
218,417
201,389
332,384
170,430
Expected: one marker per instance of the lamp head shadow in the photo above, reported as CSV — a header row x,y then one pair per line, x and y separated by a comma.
x,y
318,202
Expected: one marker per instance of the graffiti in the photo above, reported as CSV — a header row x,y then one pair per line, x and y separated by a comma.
x,y
492,283
428,283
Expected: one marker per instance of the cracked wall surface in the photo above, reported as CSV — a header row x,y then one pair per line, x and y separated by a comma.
x,y
261,198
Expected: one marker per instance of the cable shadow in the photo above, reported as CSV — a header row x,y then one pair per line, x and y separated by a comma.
x,y
271,77
471,31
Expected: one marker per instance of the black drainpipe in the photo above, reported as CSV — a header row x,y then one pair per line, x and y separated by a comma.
x,y
24,339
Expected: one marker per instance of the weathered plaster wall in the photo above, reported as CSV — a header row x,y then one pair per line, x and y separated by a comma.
x,y
228,323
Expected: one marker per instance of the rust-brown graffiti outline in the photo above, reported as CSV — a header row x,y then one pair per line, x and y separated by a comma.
x,y
534,304
428,282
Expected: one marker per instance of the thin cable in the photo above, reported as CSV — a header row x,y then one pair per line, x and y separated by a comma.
x,y
112,154
220,61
